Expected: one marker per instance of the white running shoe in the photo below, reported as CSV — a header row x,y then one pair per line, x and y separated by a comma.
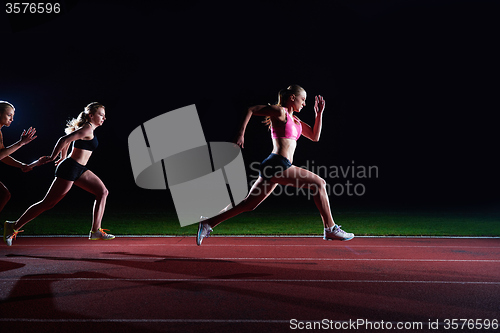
x,y
203,231
100,234
9,233
337,234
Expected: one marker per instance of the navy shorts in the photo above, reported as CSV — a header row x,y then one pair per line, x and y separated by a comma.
x,y
273,164
70,169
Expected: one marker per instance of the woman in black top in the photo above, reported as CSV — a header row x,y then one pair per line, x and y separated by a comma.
x,y
71,170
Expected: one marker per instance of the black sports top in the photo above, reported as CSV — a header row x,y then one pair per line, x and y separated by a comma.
x,y
86,144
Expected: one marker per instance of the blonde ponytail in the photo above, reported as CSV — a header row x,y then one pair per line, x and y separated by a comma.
x,y
82,118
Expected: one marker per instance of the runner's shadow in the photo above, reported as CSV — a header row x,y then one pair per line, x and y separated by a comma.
x,y
9,265
34,305
198,275
203,268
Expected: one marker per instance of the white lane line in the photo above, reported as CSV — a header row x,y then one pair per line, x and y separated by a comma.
x,y
198,280
323,245
332,323
184,321
249,259
267,236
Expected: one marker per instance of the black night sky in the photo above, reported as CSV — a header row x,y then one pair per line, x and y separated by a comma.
x,y
410,87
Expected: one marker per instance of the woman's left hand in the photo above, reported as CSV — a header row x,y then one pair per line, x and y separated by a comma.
x,y
28,136
319,104
240,140
27,168
40,161
43,160
59,161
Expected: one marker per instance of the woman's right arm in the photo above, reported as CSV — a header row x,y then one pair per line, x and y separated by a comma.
x,y
63,143
257,110
64,153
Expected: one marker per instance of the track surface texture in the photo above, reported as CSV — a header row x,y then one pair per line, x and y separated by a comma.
x,y
248,284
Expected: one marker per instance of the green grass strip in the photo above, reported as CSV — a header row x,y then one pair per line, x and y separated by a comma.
x,y
269,222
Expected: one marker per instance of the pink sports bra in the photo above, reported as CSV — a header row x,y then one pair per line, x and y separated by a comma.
x,y
291,130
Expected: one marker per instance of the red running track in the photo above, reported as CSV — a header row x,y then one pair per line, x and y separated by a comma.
x,y
232,284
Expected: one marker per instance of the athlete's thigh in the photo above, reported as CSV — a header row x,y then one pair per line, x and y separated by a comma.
x,y
298,177
261,189
4,195
3,190
59,188
89,182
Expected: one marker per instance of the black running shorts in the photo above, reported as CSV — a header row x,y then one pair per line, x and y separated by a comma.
x,y
70,169
273,164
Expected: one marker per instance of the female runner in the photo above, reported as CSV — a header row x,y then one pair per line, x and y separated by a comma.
x,y
277,168
7,111
71,170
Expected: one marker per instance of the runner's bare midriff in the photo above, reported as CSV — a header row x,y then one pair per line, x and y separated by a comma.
x,y
82,156
284,147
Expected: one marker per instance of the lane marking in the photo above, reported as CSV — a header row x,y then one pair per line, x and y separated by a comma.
x,y
194,321
262,245
200,321
258,280
251,259
268,236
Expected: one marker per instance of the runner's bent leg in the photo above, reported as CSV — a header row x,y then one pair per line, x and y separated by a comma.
x,y
299,177
93,184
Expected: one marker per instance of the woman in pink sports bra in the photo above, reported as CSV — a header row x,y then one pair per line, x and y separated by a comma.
x,y
277,168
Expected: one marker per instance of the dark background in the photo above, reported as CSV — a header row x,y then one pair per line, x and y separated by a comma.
x,y
410,87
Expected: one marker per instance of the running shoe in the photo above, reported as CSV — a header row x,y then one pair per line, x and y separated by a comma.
x,y
9,233
100,234
337,234
203,231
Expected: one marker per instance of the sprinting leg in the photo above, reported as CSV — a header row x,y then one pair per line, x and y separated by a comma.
x,y
299,177
259,191
4,196
57,191
91,183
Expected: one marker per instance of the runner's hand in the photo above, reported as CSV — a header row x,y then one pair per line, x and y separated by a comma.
x,y
319,105
28,136
240,140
